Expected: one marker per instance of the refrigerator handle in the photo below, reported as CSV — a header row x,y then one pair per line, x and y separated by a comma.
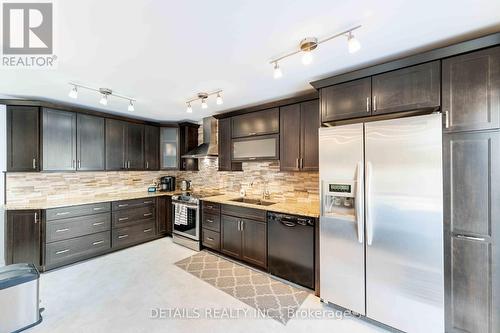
x,y
369,222
359,201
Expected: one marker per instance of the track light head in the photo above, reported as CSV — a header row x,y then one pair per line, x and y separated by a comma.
x,y
104,99
189,108
73,93
131,106
204,104
219,100
352,43
277,71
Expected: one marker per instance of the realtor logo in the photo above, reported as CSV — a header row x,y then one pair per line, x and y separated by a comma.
x,y
28,30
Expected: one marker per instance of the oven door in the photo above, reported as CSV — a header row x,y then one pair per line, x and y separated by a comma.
x,y
192,228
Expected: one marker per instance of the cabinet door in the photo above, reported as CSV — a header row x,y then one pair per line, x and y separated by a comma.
x,y
309,136
59,140
169,148
254,242
471,90
346,100
472,231
188,137
115,144
22,138
407,89
135,146
256,123
90,142
225,163
151,147
258,148
231,236
290,137
164,215
23,237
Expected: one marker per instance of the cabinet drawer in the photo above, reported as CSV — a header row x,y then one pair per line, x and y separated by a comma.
x,y
72,250
135,203
211,239
244,212
73,211
128,217
123,237
211,221
58,230
211,207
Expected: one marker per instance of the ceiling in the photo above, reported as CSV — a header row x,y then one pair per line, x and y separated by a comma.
x,y
164,52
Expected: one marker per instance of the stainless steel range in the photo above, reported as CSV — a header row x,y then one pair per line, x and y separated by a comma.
x,y
186,218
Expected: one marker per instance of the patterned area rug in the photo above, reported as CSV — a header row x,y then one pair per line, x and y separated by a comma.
x,y
269,296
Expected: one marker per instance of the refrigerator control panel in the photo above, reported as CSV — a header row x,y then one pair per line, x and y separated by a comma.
x,y
341,189
339,199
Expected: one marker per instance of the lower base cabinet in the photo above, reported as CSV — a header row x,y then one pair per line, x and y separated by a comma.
x,y
123,237
23,237
164,215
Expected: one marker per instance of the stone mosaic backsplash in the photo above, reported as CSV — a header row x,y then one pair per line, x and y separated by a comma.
x,y
53,186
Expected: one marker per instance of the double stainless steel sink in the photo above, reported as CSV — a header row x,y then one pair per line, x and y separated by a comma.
x,y
257,202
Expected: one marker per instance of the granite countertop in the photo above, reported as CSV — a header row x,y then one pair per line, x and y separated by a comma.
x,y
310,209
85,200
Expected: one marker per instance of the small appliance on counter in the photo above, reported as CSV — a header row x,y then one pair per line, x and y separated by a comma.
x,y
167,184
19,302
185,185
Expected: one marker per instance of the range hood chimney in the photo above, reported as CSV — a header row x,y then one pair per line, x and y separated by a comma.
x,y
209,148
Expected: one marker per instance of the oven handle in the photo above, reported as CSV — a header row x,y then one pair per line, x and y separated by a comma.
x,y
184,204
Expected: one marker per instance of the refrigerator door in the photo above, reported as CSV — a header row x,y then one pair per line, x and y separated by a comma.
x,y
404,223
342,252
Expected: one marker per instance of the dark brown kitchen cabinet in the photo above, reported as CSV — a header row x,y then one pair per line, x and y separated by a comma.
x,y
188,140
135,146
471,91
299,124
256,123
58,140
472,231
225,163
164,215
90,142
151,147
23,237
256,148
23,138
254,242
231,236
124,145
169,148
407,89
346,100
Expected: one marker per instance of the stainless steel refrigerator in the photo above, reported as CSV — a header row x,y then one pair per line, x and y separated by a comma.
x,y
381,224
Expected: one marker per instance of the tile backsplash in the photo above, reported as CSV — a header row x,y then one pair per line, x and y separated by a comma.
x,y
283,186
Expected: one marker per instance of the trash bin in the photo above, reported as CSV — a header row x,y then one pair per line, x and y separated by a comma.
x,y
19,302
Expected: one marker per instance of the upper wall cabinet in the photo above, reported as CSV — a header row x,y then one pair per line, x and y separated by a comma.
x,y
471,91
346,100
124,145
407,89
135,146
225,163
188,140
90,142
59,140
151,147
169,148
256,123
23,138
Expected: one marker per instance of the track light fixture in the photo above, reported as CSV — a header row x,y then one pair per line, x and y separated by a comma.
x,y
104,92
203,96
307,45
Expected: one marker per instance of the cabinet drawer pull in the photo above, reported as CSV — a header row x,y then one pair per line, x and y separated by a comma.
x,y
375,103
98,242
62,251
252,158
62,213
34,163
368,104
210,221
123,205
481,239
98,208
62,230
148,202
36,218
147,230
122,219
97,224
147,165
79,164
148,214
210,239
122,236
252,133
446,119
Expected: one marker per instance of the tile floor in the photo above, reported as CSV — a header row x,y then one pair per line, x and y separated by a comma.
x,y
117,292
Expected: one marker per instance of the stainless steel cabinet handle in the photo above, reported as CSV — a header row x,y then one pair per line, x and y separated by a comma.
x,y
375,103
368,104
123,219
252,133
98,208
239,225
98,242
147,230
301,163
34,163
128,165
97,224
62,251
62,213
209,206
210,221
297,163
252,158
123,205
79,164
446,119
210,239
148,202
122,236
369,222
147,214
36,218
147,165
242,225
62,230
481,239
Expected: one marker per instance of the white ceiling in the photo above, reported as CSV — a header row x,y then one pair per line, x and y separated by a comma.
x,y
164,52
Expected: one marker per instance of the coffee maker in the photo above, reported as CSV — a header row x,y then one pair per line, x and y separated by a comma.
x,y
167,184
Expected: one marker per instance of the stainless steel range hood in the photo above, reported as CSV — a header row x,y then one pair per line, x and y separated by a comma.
x,y
209,148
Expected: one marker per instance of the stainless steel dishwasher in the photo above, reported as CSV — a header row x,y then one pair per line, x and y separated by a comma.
x,y
291,248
